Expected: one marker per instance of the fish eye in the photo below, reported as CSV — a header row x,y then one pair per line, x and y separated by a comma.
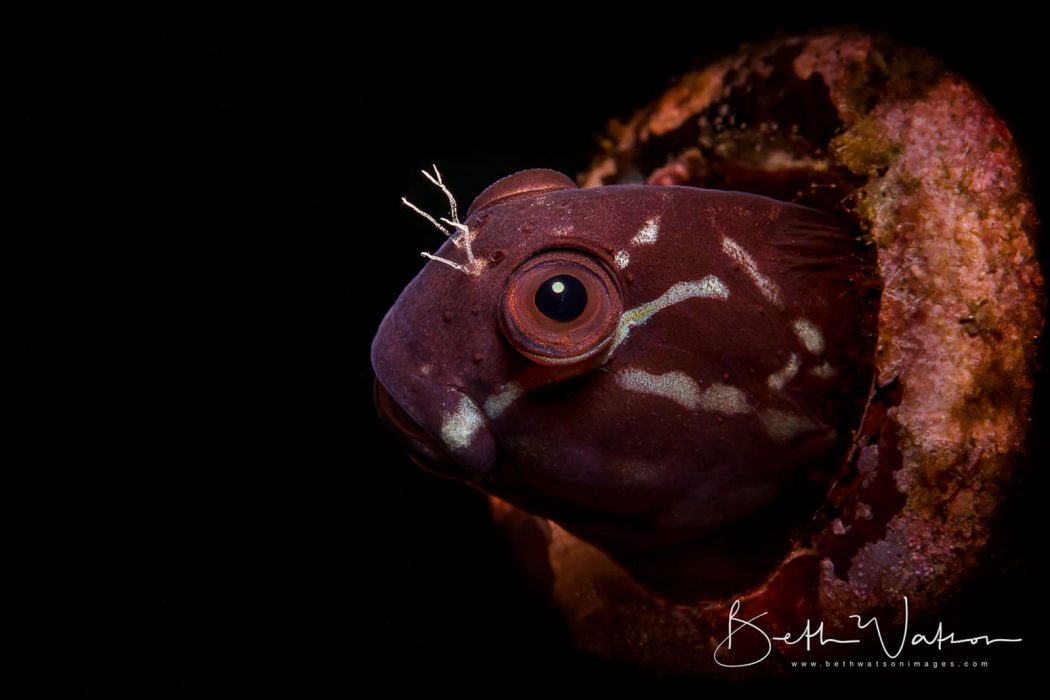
x,y
561,298
560,307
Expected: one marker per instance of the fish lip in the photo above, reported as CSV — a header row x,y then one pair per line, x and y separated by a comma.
x,y
415,437
428,450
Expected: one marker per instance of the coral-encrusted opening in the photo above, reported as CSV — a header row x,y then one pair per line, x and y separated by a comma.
x,y
924,168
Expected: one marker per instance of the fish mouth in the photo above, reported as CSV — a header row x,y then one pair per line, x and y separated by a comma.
x,y
423,448
426,450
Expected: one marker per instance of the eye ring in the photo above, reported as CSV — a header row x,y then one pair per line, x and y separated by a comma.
x,y
560,307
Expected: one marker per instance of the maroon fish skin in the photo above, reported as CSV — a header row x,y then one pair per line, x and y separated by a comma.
x,y
748,416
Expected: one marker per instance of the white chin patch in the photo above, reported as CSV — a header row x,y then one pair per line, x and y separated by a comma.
x,y
459,427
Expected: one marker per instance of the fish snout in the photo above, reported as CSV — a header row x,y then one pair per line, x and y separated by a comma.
x,y
444,429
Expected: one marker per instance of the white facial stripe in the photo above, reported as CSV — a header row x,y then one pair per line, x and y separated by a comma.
x,y
782,426
737,254
824,371
648,233
677,386
779,379
722,398
709,287
683,390
809,335
498,402
459,427
622,259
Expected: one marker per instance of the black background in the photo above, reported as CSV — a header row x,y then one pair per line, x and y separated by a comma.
x,y
214,506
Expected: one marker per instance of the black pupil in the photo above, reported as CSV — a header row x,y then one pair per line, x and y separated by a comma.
x,y
562,298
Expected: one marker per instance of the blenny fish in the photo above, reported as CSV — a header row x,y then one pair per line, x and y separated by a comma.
x,y
650,367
